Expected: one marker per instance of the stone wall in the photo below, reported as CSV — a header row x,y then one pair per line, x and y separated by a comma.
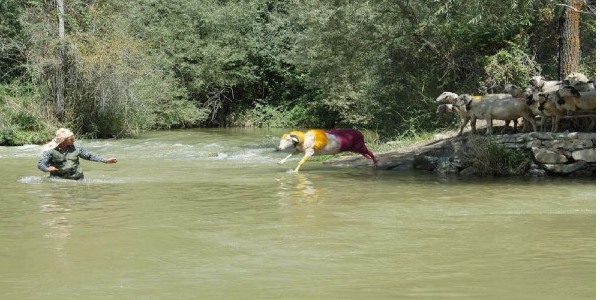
x,y
556,153
561,154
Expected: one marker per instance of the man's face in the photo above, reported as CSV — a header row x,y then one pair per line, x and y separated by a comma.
x,y
69,141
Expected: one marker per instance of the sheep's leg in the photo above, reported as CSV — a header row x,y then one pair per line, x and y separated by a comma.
x,y
368,154
592,124
463,124
543,120
490,128
506,125
473,126
286,158
531,121
307,154
515,125
526,125
556,124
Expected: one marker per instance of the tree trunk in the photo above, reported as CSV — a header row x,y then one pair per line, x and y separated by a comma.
x,y
59,77
569,50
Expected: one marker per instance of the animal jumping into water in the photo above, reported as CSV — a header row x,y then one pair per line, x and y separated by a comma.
x,y
321,142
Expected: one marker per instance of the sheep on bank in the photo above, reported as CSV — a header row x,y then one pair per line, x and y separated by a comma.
x,y
579,81
446,108
573,100
526,94
495,109
547,105
517,92
446,98
539,83
449,98
577,103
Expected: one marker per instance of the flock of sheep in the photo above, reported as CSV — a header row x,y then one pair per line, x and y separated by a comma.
x,y
574,98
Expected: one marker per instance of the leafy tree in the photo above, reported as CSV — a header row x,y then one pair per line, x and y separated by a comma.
x,y
12,42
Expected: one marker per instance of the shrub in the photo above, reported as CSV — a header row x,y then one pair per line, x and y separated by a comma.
x,y
23,118
488,157
265,115
511,65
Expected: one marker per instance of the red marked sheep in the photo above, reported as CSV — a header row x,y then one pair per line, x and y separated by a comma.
x,y
321,142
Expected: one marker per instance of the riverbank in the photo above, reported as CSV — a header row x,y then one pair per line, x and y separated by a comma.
x,y
551,154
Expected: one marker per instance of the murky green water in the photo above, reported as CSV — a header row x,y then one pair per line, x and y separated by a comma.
x,y
209,214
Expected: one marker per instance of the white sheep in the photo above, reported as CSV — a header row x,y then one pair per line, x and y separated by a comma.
x,y
446,108
495,109
573,100
539,83
547,104
526,94
451,98
579,81
578,103
446,98
516,91
576,76
499,96
465,116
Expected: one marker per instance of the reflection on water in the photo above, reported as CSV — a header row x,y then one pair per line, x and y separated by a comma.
x,y
211,213
58,222
297,188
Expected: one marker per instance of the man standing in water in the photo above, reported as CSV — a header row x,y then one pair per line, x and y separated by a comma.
x,y
61,156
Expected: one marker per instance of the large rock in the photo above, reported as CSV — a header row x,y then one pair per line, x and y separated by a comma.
x,y
588,155
548,156
564,169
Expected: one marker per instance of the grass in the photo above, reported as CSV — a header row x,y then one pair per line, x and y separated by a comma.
x,y
488,157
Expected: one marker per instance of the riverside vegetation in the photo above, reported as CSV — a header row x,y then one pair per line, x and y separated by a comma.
x,y
114,68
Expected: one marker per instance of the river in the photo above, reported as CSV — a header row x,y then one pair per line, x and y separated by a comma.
x,y
209,214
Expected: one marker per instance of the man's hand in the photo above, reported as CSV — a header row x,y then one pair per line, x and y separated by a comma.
x,y
111,160
51,169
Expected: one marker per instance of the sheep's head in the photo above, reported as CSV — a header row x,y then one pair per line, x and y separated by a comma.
x,y
289,140
575,76
529,91
568,91
529,100
537,81
542,101
464,102
512,89
444,108
446,98
582,86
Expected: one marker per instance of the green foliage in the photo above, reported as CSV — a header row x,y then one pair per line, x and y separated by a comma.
x,y
112,85
22,120
509,65
275,117
12,41
149,64
488,157
165,104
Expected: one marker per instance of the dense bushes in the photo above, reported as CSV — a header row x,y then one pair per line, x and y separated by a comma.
x,y
149,64
22,119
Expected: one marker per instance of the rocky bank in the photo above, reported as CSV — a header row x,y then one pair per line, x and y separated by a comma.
x,y
552,154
